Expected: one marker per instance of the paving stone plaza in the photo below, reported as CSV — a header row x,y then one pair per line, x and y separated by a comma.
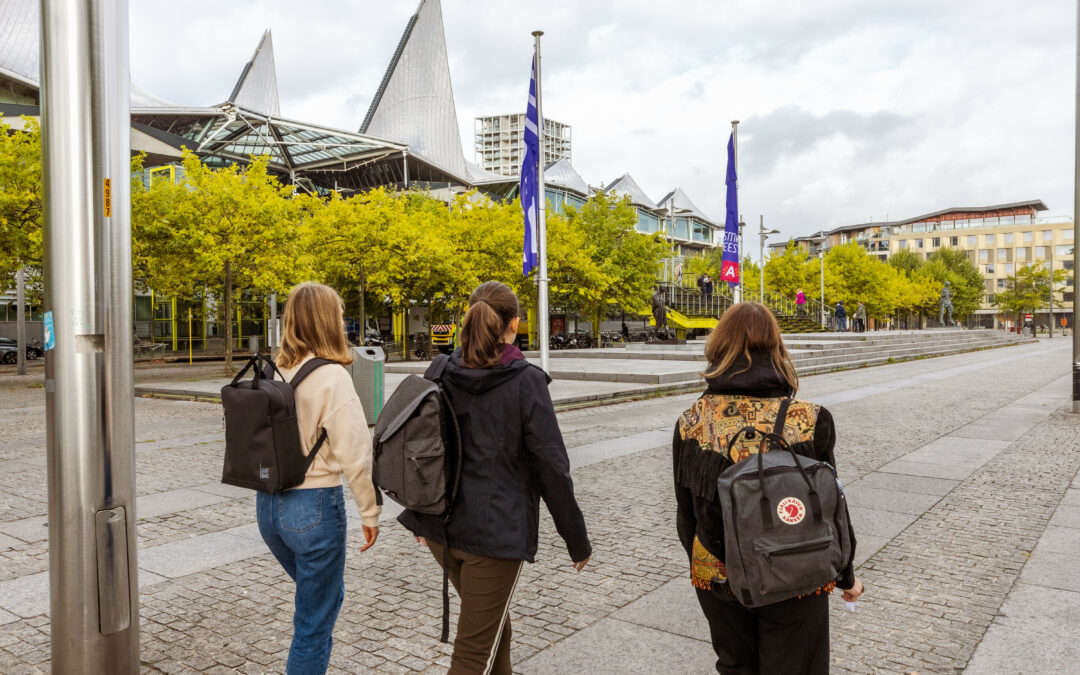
x,y
961,469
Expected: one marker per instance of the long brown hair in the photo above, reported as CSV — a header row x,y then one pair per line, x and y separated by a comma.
x,y
492,306
312,324
748,327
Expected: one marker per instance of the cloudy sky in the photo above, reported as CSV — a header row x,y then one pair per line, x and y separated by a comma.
x,y
852,110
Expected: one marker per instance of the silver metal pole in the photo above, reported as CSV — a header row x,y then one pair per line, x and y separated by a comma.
x,y
542,308
1051,290
1076,234
93,583
761,255
272,331
822,283
20,320
740,256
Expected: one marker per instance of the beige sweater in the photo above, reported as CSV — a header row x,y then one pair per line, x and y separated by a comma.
x,y
326,400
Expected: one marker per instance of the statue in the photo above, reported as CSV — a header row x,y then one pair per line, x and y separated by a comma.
x,y
945,314
659,309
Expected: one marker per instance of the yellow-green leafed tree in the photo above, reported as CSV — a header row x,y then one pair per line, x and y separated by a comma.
x,y
223,229
20,199
626,262
788,271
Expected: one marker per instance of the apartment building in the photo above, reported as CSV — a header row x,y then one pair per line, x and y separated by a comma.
x,y
998,239
500,142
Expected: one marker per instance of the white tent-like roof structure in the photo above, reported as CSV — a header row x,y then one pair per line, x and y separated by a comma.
x,y
683,206
626,185
561,173
415,101
257,88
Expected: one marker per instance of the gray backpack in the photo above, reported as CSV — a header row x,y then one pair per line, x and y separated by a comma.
x,y
418,445
785,521
418,455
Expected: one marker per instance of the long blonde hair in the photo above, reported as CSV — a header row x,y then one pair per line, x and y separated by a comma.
x,y
312,324
748,327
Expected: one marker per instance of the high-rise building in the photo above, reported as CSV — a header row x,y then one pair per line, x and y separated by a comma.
x,y
500,142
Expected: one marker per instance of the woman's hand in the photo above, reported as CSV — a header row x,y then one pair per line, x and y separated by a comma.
x,y
578,566
421,540
852,594
370,535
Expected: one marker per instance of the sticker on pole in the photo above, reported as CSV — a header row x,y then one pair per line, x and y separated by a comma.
x,y
108,198
50,334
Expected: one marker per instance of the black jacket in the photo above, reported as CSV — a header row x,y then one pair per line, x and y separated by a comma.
x,y
700,514
512,455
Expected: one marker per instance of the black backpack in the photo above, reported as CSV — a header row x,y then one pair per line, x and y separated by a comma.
x,y
417,452
786,530
262,439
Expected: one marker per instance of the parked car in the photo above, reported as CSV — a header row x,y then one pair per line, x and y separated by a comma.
x,y
8,353
9,350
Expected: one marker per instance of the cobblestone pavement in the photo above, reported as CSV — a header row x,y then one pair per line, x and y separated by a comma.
x,y
942,549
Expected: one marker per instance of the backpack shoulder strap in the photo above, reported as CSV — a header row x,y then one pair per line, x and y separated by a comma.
x,y
306,370
435,370
781,417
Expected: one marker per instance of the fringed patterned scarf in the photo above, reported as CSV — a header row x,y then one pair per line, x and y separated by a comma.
x,y
711,421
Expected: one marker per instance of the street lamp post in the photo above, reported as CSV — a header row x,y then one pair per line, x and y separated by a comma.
x,y
764,233
90,418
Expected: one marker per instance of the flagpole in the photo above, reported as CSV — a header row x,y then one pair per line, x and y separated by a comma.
x,y
738,256
542,302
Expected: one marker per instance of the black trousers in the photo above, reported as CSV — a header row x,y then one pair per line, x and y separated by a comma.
x,y
785,638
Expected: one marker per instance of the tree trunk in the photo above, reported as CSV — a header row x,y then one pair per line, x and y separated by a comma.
x,y
227,307
363,318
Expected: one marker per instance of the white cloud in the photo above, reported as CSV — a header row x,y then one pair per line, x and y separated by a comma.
x,y
851,110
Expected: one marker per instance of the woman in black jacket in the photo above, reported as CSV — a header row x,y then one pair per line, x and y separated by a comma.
x,y
750,373
512,455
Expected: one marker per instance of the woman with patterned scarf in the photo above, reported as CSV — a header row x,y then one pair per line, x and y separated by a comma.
x,y
750,373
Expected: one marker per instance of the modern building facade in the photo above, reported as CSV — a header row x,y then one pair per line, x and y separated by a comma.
x,y
998,239
500,142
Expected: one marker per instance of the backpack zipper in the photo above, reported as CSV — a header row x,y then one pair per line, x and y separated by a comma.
x,y
801,547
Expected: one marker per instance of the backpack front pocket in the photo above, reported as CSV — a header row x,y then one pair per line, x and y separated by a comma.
x,y
425,481
805,563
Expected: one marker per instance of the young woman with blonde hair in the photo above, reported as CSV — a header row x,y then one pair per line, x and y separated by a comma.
x,y
305,527
512,455
750,372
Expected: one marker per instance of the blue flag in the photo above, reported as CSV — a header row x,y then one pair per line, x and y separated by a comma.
x,y
530,180
729,264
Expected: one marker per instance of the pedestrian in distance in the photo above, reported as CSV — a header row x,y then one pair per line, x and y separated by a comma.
x,y
750,374
841,317
860,318
512,456
800,303
707,287
305,527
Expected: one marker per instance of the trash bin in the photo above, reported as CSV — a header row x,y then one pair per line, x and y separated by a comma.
x,y
253,343
368,379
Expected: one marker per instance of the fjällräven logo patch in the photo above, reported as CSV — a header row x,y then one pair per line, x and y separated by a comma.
x,y
791,510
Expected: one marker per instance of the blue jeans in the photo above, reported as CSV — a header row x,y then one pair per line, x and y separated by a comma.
x,y
841,324
305,530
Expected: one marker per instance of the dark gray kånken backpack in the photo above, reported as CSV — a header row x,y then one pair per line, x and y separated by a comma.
x,y
262,438
418,454
785,521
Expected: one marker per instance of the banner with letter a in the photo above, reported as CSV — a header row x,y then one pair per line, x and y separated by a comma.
x,y
729,265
